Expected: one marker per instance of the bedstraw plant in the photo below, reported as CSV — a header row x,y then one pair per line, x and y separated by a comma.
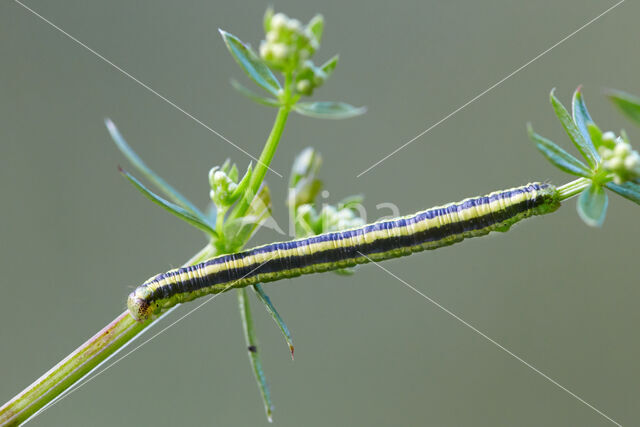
x,y
284,69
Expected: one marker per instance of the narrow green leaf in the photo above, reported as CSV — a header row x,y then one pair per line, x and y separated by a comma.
x,y
592,205
268,14
585,147
268,305
241,229
351,202
233,173
582,119
328,110
252,96
316,26
627,103
628,190
183,214
160,183
252,349
243,184
330,65
557,156
595,134
251,63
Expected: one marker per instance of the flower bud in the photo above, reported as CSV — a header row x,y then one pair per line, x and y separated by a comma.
x,y
279,51
278,21
287,42
609,136
620,160
303,86
222,187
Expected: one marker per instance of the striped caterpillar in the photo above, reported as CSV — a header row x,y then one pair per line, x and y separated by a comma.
x,y
430,229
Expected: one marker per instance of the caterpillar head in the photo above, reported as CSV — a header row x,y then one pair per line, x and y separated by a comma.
x,y
139,304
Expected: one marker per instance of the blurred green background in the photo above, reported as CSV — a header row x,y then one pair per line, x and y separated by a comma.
x,y
76,237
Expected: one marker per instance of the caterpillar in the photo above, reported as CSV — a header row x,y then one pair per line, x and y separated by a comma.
x,y
429,229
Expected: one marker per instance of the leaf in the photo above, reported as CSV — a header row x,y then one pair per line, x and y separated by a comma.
x,y
592,205
252,96
582,118
627,103
628,190
595,134
316,26
240,230
233,173
303,183
252,349
268,305
330,65
137,162
243,184
585,147
252,65
328,110
351,202
557,156
268,14
183,214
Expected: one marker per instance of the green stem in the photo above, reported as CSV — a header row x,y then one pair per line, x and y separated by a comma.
x,y
124,329
263,163
573,188
85,359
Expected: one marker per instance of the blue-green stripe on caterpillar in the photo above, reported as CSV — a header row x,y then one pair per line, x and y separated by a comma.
x,y
425,230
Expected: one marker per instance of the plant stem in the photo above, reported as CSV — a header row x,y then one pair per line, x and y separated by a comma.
x,y
263,163
83,361
123,329
573,188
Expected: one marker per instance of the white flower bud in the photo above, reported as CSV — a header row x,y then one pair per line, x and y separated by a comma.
x,y
613,164
279,50
278,21
622,149
632,161
265,50
294,25
608,136
272,37
605,153
219,177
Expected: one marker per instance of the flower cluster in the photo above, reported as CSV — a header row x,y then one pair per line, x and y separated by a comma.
x,y
225,188
330,218
619,158
304,187
309,77
287,42
288,47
